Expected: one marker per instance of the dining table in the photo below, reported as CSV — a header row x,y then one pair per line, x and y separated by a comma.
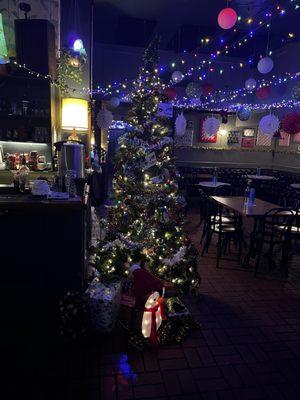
x,y
211,184
255,211
260,177
295,186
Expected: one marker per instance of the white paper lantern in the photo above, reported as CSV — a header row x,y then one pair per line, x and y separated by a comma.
x,y
211,125
104,119
180,125
265,65
193,90
114,102
269,124
151,303
177,76
250,84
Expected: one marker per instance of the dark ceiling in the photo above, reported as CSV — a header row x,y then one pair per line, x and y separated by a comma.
x,y
183,23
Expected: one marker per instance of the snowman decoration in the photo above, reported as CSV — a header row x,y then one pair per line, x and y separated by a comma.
x,y
152,318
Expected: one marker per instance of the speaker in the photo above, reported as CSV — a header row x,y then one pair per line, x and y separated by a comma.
x,y
35,45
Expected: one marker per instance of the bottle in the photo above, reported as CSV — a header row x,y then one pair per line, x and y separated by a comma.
x,y
23,175
215,176
247,193
258,171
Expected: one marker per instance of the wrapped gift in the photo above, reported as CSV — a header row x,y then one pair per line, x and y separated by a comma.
x,y
103,304
175,308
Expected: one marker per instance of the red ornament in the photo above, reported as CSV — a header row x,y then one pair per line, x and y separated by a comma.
x,y
207,89
263,93
170,93
291,123
227,18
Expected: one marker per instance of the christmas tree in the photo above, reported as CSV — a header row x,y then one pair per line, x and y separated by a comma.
x,y
149,214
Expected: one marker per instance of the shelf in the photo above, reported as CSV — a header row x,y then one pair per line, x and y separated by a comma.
x,y
25,117
24,143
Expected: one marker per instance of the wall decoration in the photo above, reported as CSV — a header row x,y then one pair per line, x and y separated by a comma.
x,y
296,91
211,125
104,119
186,140
285,139
250,84
114,102
190,124
291,123
263,93
269,124
180,125
265,65
208,136
177,76
243,114
249,132
296,138
233,138
165,110
193,90
170,93
227,18
248,142
263,140
207,89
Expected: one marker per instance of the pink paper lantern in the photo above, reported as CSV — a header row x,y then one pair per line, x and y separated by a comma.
x,y
207,89
263,93
227,18
170,93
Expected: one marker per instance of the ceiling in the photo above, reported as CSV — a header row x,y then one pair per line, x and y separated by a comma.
x,y
182,23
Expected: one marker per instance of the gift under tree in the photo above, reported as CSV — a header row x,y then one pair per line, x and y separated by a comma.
x,y
148,214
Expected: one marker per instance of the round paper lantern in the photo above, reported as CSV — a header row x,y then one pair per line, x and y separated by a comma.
x,y
193,89
227,18
207,89
250,84
177,76
243,114
296,91
114,102
269,124
211,125
265,65
104,119
263,93
291,123
170,93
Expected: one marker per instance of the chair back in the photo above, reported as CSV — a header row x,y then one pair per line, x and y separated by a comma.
x,y
276,223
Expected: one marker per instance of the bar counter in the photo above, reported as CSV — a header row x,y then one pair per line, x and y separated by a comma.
x,y
43,252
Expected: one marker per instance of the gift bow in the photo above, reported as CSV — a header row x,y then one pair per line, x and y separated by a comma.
x,y
153,340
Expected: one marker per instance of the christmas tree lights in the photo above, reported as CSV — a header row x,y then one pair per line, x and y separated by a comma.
x,y
148,215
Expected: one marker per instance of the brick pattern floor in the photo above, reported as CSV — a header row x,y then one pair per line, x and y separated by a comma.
x,y
248,348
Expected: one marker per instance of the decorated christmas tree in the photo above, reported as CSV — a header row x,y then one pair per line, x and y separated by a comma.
x,y
149,214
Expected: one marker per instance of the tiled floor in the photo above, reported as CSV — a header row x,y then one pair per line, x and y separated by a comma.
x,y
248,348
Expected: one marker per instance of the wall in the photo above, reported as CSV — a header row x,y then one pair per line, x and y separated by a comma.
x,y
222,154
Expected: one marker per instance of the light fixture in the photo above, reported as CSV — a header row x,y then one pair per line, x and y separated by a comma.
x,y
74,116
78,45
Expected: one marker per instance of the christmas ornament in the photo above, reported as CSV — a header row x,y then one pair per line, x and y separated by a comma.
x,y
243,114
193,90
170,93
296,91
211,125
104,119
207,89
180,125
114,102
250,84
263,93
177,76
291,123
269,124
227,18
265,65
